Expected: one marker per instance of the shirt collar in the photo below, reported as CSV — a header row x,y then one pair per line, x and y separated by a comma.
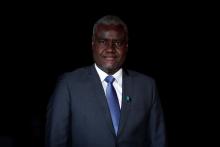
x,y
103,75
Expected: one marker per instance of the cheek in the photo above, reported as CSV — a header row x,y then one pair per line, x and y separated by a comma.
x,y
97,53
100,51
123,52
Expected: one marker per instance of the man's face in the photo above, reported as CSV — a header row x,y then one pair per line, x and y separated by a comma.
x,y
109,46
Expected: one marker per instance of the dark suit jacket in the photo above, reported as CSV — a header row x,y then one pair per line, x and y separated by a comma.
x,y
78,114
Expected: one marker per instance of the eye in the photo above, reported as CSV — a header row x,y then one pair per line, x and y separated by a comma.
x,y
118,43
102,41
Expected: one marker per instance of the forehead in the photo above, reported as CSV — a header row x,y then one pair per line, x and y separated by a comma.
x,y
108,28
110,31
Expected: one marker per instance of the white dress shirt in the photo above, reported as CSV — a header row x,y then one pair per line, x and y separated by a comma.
x,y
117,83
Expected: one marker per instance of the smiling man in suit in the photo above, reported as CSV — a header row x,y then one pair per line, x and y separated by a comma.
x,y
105,105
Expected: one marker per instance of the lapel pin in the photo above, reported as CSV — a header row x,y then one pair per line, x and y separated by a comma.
x,y
128,99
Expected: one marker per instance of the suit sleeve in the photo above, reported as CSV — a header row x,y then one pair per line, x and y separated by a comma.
x,y
58,113
156,128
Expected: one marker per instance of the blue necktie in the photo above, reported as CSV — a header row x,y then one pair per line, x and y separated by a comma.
x,y
113,104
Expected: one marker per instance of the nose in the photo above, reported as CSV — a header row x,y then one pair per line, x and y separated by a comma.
x,y
111,46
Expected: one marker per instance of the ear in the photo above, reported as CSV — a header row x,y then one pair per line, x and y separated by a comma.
x,y
126,46
93,42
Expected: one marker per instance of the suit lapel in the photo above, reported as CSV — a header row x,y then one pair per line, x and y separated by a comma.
x,y
99,96
127,95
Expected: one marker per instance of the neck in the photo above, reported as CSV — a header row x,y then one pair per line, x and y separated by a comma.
x,y
108,71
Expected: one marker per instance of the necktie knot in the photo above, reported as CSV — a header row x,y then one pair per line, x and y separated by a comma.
x,y
110,79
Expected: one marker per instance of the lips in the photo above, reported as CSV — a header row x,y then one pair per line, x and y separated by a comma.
x,y
109,58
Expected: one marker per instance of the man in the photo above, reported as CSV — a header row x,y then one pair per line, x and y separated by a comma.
x,y
104,105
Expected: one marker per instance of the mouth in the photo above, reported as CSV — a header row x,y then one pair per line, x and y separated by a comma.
x,y
109,58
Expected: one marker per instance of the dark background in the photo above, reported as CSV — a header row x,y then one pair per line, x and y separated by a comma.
x,y
167,41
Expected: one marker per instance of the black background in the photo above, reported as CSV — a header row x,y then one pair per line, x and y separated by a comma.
x,y
167,41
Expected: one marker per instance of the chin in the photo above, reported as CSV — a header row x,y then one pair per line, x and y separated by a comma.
x,y
110,66
110,69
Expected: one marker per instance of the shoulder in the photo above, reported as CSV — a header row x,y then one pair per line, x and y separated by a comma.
x,y
140,78
76,75
138,75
